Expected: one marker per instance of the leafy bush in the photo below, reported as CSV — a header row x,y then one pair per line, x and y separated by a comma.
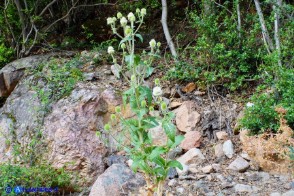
x,y
6,54
38,176
261,116
219,56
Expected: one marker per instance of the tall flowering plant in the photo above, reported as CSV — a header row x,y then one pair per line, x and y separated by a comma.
x,y
146,156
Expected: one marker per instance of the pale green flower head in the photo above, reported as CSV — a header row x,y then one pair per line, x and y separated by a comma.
x,y
143,12
123,45
107,127
138,11
133,78
110,50
158,44
163,106
152,43
110,21
128,30
117,109
123,21
131,17
119,15
156,81
114,19
143,103
113,117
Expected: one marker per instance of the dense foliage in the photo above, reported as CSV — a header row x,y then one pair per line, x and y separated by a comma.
x,y
34,177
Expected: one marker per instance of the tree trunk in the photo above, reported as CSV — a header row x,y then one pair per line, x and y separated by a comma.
x,y
265,34
165,29
276,8
239,18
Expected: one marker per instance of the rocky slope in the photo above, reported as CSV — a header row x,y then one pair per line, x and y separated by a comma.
x,y
211,153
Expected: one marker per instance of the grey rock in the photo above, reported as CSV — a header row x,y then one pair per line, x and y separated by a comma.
x,y
288,193
207,169
115,159
89,76
244,155
180,190
116,180
292,185
275,194
239,164
199,184
218,150
172,173
172,182
242,188
194,155
228,148
175,153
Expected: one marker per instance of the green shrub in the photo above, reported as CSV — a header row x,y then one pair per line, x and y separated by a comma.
x,y
37,176
219,56
6,55
262,116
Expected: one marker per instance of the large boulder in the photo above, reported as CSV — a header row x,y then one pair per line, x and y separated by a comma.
x,y
68,131
117,180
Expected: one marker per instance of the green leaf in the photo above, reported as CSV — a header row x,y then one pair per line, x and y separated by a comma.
x,y
139,36
175,164
145,92
149,71
156,152
169,129
178,140
159,161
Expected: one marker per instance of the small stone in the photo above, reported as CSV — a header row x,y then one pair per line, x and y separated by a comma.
x,y
228,148
174,153
172,173
288,193
216,167
172,182
175,104
292,185
130,162
221,135
226,185
242,188
187,117
207,169
180,190
189,87
239,164
193,168
194,155
209,177
89,76
245,156
192,140
218,151
199,184
275,194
